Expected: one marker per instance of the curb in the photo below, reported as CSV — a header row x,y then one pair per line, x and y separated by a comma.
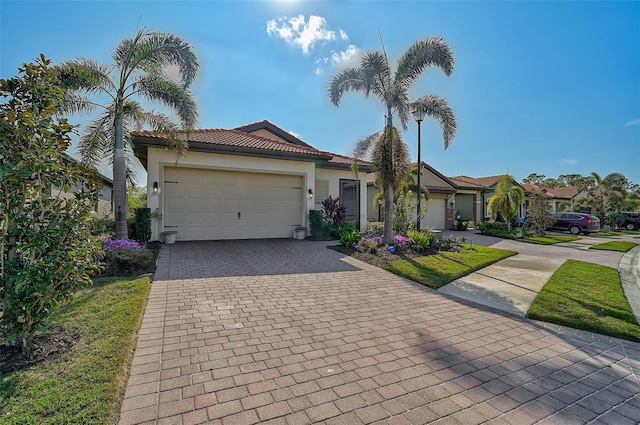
x,y
629,270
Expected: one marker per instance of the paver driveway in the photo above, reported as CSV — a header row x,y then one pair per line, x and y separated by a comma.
x,y
289,332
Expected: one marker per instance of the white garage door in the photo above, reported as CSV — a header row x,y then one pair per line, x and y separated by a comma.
x,y
436,214
213,204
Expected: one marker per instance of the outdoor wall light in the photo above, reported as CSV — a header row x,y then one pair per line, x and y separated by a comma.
x,y
155,188
310,194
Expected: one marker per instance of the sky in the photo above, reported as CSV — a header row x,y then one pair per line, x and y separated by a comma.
x,y
538,87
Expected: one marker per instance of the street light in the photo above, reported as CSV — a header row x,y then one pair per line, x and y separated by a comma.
x,y
418,115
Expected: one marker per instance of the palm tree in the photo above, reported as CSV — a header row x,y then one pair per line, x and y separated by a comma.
x,y
507,199
157,66
387,150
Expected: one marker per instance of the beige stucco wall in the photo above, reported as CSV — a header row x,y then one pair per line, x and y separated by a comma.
x,y
334,176
160,158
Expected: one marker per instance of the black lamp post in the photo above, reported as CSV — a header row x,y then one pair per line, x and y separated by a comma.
x,y
418,115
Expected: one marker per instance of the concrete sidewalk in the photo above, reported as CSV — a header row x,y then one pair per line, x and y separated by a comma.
x,y
509,285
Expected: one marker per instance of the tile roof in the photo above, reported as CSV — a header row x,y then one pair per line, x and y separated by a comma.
x,y
487,181
271,127
554,192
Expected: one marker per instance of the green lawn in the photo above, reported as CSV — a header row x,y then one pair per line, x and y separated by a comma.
x,y
549,239
619,246
85,384
439,269
615,233
586,296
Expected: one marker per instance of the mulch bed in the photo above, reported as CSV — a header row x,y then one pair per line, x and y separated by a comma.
x,y
381,257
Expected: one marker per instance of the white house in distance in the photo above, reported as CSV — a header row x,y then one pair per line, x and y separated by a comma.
x,y
251,182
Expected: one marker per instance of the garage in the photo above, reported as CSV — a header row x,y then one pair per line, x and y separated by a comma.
x,y
202,204
436,214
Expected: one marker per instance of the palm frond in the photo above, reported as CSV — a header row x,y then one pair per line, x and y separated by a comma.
x,y
438,108
429,51
365,145
74,103
401,104
95,137
377,75
349,79
390,157
84,75
158,88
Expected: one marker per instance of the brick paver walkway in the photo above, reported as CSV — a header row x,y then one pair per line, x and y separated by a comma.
x,y
288,332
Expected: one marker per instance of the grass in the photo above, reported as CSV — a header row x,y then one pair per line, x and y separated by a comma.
x,y
439,269
615,233
549,239
85,384
586,296
619,246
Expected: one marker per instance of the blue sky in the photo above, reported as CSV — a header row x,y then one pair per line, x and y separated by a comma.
x,y
545,87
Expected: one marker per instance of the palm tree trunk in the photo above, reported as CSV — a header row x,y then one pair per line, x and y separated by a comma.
x,y
387,233
120,178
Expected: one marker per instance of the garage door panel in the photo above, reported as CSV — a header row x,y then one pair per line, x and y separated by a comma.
x,y
436,213
204,204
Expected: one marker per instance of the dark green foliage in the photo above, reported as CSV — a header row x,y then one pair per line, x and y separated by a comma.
x,y
130,260
491,227
315,223
334,211
102,227
348,235
47,248
140,226
421,240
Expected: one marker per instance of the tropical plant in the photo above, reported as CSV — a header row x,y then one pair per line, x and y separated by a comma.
x,y
421,240
507,199
404,210
47,251
157,66
388,153
334,211
315,223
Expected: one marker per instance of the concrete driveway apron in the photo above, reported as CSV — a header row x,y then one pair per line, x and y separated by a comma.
x,y
512,284
288,332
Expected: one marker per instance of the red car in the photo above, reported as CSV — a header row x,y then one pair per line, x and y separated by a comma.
x,y
576,223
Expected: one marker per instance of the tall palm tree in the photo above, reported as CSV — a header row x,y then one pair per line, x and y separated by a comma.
x,y
507,199
387,150
157,66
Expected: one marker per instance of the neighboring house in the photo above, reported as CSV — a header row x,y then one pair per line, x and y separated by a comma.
x,y
254,181
473,196
104,206
560,198
442,194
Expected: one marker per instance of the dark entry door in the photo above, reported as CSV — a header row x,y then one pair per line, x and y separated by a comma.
x,y
350,196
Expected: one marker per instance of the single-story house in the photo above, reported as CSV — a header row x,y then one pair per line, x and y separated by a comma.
x,y
440,209
104,205
560,198
254,181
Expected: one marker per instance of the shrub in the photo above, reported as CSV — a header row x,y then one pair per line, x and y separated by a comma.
x,y
421,240
449,244
376,227
369,243
334,210
123,256
102,227
315,223
490,228
47,250
140,226
401,243
539,213
348,237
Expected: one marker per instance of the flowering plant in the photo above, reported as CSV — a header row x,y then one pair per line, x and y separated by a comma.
x,y
119,244
369,243
401,243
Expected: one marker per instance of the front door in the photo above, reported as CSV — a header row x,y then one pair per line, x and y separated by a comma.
x,y
350,197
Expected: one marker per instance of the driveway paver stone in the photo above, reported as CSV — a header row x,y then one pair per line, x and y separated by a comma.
x,y
288,332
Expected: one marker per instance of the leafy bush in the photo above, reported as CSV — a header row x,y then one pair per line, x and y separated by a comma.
x,y
315,223
421,240
102,227
140,225
376,227
47,249
490,228
123,256
334,210
349,237
539,213
451,243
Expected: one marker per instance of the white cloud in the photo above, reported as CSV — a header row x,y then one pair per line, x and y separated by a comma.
x,y
570,161
634,122
348,55
343,35
298,32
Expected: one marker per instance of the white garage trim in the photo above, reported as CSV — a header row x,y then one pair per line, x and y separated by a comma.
x,y
206,204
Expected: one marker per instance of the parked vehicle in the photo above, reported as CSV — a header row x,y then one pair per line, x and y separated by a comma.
x,y
631,220
576,223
